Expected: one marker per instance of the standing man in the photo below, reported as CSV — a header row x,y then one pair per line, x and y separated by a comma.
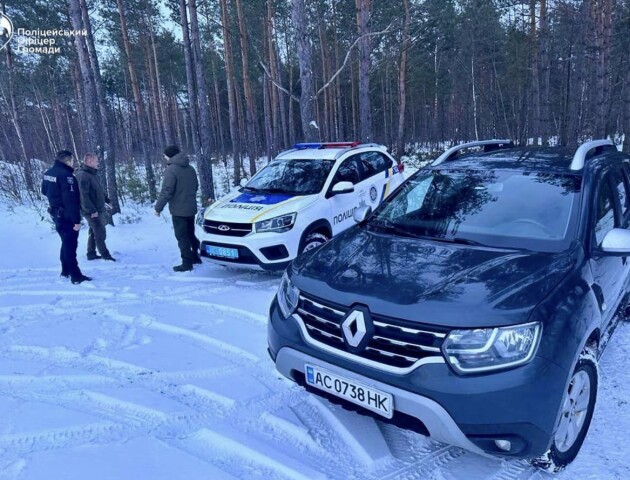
x,y
93,202
179,190
60,187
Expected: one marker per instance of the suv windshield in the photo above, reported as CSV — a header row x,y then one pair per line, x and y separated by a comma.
x,y
505,209
293,177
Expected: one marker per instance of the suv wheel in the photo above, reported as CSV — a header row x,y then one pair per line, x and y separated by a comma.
x,y
575,419
313,240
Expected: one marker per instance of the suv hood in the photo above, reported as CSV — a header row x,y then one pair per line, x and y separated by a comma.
x,y
251,207
435,283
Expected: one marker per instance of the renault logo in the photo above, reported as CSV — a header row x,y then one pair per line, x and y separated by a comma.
x,y
354,328
224,228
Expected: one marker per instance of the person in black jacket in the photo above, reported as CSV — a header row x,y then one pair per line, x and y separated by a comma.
x,y
179,190
60,187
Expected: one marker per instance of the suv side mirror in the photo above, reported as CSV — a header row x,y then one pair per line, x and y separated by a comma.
x,y
244,182
617,242
361,213
342,187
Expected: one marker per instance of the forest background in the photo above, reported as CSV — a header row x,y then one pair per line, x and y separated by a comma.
x,y
234,82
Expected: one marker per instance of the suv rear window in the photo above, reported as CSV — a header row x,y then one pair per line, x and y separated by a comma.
x,y
495,208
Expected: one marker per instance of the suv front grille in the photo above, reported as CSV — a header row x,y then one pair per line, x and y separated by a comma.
x,y
395,343
228,229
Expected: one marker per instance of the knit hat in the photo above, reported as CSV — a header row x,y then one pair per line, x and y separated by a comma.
x,y
171,151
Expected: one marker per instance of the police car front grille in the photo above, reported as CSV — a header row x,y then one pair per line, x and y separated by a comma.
x,y
394,343
228,229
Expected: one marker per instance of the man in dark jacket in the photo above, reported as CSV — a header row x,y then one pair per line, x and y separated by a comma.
x,y
93,202
60,187
179,190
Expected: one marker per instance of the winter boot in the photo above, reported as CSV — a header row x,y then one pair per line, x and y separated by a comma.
x,y
184,267
197,260
80,278
93,256
64,274
109,257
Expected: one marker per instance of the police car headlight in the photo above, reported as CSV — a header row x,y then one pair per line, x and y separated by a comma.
x,y
288,296
280,224
486,349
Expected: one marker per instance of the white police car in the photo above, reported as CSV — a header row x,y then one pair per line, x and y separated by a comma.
x,y
297,202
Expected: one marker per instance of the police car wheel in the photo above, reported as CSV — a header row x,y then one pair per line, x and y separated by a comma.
x,y
313,240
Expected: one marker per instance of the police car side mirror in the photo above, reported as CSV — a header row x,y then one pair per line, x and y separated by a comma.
x,y
361,213
244,182
343,187
617,243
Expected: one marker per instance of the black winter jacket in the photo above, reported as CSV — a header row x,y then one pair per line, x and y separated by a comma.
x,y
179,188
60,187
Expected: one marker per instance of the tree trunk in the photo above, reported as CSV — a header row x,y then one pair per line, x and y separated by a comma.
x,y
190,77
89,88
232,107
204,160
307,96
545,107
250,107
140,112
535,62
603,22
402,80
626,124
365,50
108,150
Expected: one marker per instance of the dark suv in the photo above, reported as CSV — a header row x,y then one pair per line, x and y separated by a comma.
x,y
473,304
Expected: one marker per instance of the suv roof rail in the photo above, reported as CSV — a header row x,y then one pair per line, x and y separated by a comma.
x,y
487,144
580,154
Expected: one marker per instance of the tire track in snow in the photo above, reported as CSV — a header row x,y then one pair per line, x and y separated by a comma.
x,y
95,433
260,320
514,470
12,470
434,457
226,350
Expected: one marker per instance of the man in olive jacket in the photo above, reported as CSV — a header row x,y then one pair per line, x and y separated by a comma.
x,y
179,190
93,202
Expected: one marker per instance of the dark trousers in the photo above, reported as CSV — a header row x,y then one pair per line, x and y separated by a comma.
x,y
96,236
185,234
69,243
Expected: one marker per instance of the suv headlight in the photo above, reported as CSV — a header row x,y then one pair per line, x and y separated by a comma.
x,y
280,224
288,296
486,349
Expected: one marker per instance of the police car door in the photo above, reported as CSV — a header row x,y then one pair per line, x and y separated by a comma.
x,y
342,206
376,176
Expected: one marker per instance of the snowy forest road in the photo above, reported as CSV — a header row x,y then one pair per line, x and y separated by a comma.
x,y
146,374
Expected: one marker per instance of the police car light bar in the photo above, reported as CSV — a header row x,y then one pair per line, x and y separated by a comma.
x,y
304,146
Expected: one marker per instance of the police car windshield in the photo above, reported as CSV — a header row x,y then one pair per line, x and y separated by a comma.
x,y
292,177
504,209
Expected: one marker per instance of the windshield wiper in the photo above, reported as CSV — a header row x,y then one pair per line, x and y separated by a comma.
x,y
462,241
388,226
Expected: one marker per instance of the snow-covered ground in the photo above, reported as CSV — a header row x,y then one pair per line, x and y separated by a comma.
x,y
144,373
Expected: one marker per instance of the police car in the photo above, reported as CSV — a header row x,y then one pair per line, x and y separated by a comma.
x,y
299,201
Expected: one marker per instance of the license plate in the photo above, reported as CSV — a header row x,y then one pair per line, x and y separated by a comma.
x,y
355,392
221,252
